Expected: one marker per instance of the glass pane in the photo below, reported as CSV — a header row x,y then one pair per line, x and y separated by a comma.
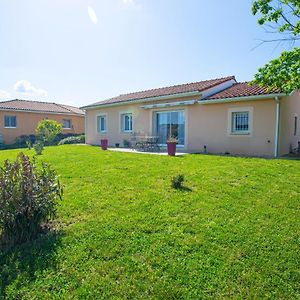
x,y
6,121
13,121
102,127
170,124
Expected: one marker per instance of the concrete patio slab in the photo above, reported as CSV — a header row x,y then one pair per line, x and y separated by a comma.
x,y
129,150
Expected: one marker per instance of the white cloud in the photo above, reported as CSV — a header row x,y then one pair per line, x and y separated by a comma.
x,y
4,94
25,87
92,15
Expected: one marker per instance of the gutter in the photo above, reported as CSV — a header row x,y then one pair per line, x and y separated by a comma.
x,y
141,100
239,99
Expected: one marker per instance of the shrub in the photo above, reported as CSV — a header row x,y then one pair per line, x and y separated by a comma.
x,y
28,199
177,181
126,144
38,147
23,140
73,140
47,130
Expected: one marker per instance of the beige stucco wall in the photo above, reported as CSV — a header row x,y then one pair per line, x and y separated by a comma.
x,y
205,125
27,122
289,108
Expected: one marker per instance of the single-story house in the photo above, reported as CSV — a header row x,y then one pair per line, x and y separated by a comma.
x,y
20,117
219,116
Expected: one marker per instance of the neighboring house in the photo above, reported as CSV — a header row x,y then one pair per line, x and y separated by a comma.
x,y
219,115
20,117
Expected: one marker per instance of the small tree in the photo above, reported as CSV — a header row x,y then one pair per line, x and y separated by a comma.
x,y
47,130
28,199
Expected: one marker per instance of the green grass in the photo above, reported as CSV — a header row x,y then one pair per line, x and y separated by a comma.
x,y
126,234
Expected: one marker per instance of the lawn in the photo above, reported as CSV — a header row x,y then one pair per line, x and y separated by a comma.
x,y
233,232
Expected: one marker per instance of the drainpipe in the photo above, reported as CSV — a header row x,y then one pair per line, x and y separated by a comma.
x,y
276,127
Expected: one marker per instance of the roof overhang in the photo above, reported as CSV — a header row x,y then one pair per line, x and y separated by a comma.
x,y
169,104
239,99
158,98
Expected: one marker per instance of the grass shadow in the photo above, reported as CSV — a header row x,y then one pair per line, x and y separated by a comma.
x,y
27,259
184,189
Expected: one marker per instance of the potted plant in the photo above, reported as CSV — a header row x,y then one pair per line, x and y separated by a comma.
x,y
104,143
171,145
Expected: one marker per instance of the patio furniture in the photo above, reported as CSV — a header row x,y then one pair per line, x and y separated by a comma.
x,y
147,144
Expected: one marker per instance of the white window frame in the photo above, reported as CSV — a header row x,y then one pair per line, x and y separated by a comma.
x,y
236,110
69,120
99,127
11,127
122,122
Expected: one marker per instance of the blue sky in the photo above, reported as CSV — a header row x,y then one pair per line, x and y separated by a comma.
x,y
81,51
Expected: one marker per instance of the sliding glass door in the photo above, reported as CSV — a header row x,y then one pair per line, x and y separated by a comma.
x,y
170,124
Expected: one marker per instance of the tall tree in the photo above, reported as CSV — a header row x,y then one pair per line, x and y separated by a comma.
x,y
281,16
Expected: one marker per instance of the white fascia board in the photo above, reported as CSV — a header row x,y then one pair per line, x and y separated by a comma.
x,y
169,104
172,96
239,99
218,88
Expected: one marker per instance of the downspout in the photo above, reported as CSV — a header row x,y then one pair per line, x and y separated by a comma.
x,y
85,127
276,142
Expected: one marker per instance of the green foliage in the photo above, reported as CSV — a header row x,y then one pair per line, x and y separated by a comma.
x,y
38,147
282,73
283,14
128,235
28,199
177,181
126,144
80,139
47,130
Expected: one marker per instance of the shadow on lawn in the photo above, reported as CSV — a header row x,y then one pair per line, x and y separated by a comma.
x,y
184,189
25,260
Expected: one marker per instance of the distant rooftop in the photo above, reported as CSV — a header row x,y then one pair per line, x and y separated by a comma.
x,y
38,106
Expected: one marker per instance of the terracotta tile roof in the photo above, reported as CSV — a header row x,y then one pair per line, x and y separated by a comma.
x,y
242,89
37,106
176,89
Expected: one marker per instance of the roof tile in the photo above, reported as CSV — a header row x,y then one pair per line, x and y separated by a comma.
x,y
242,89
176,89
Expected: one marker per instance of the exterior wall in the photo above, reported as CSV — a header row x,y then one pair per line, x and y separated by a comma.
x,y
27,122
205,125
210,125
289,108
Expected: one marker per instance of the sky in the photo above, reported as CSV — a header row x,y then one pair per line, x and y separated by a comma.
x,y
78,52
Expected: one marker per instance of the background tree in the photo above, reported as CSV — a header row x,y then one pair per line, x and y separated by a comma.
x,y
47,130
280,16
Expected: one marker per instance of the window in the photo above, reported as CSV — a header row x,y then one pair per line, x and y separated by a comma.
x,y
295,125
67,124
126,122
10,121
170,124
240,122
101,123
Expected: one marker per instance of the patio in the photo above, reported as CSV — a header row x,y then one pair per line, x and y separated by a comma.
x,y
130,150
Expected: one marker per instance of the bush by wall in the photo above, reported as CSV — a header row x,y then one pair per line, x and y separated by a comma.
x,y
80,139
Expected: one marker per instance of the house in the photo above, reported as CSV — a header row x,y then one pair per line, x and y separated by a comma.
x,y
218,116
20,117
